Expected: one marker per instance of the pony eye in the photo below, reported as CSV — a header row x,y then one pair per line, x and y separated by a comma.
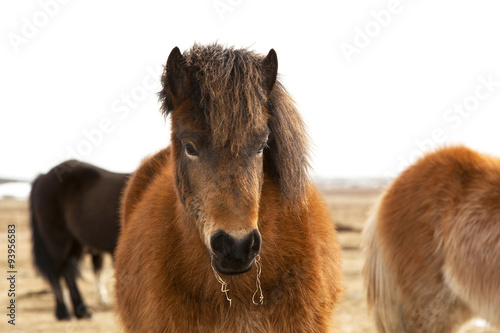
x,y
190,150
262,147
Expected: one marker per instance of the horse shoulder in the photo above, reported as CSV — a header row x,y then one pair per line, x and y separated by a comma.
x,y
140,181
149,201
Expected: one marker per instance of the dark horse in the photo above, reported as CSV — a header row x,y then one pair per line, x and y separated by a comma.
x,y
74,208
227,207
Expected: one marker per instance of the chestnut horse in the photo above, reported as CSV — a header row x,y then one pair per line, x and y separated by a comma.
x,y
74,209
433,245
223,231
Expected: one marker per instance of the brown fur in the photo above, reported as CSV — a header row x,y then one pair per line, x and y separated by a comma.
x,y
433,245
165,281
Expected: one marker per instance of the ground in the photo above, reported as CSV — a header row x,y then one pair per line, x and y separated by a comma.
x,y
35,303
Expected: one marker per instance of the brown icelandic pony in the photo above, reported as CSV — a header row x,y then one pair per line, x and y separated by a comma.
x,y
74,209
223,231
433,245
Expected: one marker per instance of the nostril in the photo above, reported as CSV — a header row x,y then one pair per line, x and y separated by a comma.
x,y
255,244
221,243
225,246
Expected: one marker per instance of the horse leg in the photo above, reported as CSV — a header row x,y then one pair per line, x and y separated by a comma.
x,y
61,310
79,307
100,288
50,259
70,275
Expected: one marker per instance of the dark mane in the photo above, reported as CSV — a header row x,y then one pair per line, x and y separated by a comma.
x,y
287,159
229,85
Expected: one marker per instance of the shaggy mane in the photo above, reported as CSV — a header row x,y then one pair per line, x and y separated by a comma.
x,y
228,85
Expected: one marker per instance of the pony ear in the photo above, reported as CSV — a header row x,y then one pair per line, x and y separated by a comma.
x,y
270,70
173,80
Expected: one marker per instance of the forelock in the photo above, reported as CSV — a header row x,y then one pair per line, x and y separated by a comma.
x,y
231,94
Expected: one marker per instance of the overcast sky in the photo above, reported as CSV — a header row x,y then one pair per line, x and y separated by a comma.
x,y
377,82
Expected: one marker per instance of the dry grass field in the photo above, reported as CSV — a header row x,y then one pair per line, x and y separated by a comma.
x,y
35,303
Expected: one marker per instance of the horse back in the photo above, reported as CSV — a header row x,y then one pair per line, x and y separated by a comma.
x,y
438,229
423,202
82,200
49,191
93,214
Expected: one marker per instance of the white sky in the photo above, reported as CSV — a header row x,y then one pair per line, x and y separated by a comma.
x,y
74,71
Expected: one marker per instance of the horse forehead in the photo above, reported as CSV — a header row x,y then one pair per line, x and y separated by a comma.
x,y
202,115
233,134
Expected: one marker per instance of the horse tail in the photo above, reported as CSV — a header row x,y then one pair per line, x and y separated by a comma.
x,y
383,302
49,267
41,257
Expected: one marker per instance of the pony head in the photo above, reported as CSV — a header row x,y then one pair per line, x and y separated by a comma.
x,y
232,123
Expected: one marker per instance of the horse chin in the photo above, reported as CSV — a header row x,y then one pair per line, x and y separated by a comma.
x,y
228,267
